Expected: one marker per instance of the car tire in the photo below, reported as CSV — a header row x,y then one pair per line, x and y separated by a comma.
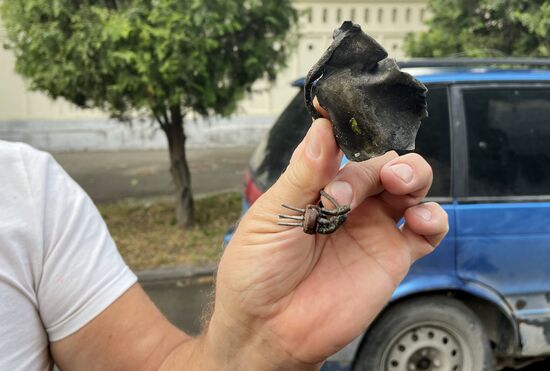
x,y
429,333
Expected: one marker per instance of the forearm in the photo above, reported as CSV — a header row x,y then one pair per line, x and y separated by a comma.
x,y
189,355
220,348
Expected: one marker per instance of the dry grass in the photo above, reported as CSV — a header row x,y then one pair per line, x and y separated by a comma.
x,y
148,237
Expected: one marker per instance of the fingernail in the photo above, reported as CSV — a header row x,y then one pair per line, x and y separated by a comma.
x,y
403,171
313,144
341,191
423,212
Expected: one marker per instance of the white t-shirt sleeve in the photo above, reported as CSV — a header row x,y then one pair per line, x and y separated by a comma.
x,y
82,272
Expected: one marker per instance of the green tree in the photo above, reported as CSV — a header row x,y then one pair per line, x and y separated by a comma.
x,y
161,58
481,28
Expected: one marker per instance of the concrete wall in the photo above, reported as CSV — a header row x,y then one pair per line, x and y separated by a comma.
x,y
103,134
34,118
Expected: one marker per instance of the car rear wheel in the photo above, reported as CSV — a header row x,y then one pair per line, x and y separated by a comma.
x,y
426,334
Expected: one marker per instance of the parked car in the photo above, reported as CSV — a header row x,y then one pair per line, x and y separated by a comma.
x,y
485,292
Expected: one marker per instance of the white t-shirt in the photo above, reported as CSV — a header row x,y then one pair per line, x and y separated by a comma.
x,y
59,267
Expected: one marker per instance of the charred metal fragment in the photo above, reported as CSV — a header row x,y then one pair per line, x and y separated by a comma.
x,y
373,105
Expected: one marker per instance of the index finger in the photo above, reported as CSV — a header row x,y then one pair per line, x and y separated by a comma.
x,y
359,180
406,182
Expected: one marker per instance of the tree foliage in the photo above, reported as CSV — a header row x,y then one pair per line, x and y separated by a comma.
x,y
481,28
165,58
122,55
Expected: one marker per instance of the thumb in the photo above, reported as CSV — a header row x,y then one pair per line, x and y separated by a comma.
x,y
313,165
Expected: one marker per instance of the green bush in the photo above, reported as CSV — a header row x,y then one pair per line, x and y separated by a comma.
x,y
481,28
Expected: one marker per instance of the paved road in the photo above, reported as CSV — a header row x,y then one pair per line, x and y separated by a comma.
x,y
183,301
109,176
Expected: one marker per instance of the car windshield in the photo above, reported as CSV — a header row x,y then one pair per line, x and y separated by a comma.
x,y
272,155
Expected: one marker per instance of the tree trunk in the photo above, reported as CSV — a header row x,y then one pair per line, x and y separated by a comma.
x,y
179,168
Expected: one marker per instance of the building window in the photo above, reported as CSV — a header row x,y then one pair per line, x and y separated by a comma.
x,y
422,11
338,15
352,15
366,15
380,15
408,15
325,15
394,15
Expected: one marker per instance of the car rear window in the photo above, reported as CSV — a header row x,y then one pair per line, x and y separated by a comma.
x,y
272,155
508,141
433,141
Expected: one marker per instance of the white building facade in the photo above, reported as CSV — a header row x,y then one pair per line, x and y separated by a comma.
x,y
57,125
387,21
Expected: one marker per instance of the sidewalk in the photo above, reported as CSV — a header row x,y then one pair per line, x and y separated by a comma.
x,y
110,176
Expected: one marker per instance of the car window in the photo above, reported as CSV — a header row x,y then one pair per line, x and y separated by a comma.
x,y
508,141
272,155
433,141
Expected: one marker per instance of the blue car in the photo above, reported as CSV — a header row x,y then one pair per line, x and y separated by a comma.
x,y
481,301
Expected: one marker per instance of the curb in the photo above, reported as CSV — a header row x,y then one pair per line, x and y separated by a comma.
x,y
169,274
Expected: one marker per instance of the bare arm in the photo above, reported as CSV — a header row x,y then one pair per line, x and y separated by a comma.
x,y
278,288
131,334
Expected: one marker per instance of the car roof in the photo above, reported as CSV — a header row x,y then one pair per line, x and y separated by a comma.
x,y
451,75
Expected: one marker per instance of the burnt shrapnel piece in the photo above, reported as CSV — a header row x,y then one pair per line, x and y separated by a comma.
x,y
374,106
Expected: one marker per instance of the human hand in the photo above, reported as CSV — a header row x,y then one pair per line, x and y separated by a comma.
x,y
288,300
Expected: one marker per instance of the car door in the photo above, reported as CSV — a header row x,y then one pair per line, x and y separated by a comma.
x,y
503,212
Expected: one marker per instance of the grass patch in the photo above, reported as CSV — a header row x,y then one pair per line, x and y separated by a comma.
x,y
147,234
